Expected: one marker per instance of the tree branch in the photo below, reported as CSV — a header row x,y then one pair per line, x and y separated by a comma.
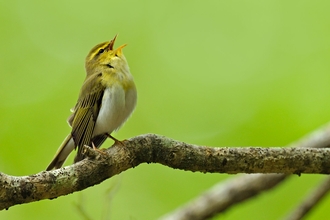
x,y
223,195
158,149
310,201
235,190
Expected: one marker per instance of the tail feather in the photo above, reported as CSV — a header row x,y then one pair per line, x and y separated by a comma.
x,y
62,153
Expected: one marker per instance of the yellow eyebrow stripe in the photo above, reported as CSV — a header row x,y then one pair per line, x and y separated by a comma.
x,y
94,51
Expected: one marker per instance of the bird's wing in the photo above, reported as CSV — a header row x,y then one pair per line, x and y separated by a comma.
x,y
86,111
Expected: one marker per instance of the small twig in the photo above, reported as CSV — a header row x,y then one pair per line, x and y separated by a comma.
x,y
310,201
81,210
109,196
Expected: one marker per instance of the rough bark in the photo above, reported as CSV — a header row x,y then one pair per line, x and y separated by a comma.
x,y
153,148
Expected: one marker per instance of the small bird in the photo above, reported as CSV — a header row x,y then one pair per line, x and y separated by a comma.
x,y
107,98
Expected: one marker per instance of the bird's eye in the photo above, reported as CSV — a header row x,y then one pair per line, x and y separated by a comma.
x,y
101,51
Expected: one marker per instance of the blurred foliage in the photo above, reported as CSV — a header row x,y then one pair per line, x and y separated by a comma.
x,y
216,73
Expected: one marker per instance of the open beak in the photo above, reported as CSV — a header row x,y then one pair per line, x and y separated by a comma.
x,y
112,42
118,50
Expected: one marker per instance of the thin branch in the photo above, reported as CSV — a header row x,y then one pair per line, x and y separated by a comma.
x,y
238,189
223,195
311,200
158,149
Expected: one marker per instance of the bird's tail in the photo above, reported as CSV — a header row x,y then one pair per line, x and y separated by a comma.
x,y
62,153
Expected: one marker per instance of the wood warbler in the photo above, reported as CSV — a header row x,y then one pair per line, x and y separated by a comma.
x,y
107,98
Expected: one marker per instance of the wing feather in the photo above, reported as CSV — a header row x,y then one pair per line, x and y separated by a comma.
x,y
85,112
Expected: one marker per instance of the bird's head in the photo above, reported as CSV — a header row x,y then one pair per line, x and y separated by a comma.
x,y
103,58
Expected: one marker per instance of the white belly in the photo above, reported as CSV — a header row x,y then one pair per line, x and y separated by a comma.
x,y
117,106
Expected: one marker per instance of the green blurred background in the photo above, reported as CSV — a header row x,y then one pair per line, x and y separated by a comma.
x,y
215,73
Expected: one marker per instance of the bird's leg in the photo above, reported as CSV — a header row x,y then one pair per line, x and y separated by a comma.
x,y
93,145
98,150
115,140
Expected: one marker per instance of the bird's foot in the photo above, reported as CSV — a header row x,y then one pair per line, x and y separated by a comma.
x,y
115,140
98,150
